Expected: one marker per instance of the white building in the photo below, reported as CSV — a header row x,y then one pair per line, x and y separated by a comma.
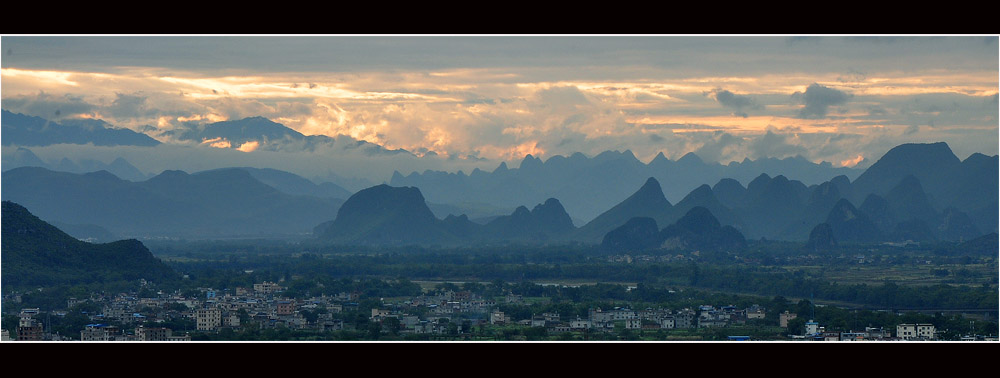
x,y
915,331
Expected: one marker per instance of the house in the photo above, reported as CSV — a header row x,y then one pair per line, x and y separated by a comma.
x,y
812,328
498,317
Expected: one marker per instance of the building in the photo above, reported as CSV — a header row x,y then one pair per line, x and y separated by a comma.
x,y
784,317
755,312
29,328
284,308
153,333
915,331
812,328
498,317
266,288
208,318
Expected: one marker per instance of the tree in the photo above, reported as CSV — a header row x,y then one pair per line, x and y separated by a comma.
x,y
797,326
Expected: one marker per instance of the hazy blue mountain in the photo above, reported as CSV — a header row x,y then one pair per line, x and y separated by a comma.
x,y
821,238
23,130
850,225
956,226
546,221
912,230
703,196
385,215
252,129
771,205
648,201
36,253
934,165
270,135
220,203
290,183
698,229
588,187
970,186
907,201
637,234
87,232
23,157
730,193
877,209
821,200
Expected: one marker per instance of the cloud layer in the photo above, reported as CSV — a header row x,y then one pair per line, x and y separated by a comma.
x,y
497,99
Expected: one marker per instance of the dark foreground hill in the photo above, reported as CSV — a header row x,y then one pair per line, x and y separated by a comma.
x,y
35,253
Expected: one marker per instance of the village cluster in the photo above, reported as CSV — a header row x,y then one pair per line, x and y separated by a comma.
x,y
127,317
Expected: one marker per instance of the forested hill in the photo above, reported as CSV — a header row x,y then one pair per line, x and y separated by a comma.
x,y
35,253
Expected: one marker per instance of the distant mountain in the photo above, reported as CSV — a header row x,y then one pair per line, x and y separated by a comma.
x,y
648,201
23,130
546,221
35,253
588,187
849,225
272,136
821,238
222,203
970,186
23,157
703,196
637,234
698,229
291,183
385,215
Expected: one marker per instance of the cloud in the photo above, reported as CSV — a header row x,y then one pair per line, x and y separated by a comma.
x,y
128,106
776,146
49,106
818,99
735,101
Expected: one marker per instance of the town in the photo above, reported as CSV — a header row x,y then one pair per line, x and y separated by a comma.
x,y
446,313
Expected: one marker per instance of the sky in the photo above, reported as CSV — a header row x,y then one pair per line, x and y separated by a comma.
x,y
484,99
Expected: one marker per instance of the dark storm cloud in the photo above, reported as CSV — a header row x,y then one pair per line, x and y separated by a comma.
x,y
48,106
736,102
818,99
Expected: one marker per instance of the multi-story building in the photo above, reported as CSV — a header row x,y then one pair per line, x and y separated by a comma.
x,y
784,317
153,333
915,331
266,288
208,318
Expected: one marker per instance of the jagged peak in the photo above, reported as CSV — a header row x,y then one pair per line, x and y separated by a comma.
x,y
690,158
502,167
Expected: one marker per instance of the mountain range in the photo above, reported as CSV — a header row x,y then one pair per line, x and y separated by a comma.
x,y
913,192
218,203
589,186
769,207
23,130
